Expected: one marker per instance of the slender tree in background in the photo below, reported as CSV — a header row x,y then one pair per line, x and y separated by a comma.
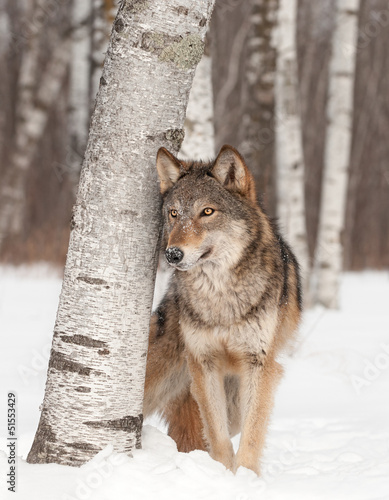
x,y
244,61
103,14
257,130
329,251
366,235
91,25
289,140
199,139
80,71
229,27
4,41
94,389
315,24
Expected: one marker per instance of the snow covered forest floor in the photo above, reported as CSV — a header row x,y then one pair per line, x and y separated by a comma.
x,y
328,438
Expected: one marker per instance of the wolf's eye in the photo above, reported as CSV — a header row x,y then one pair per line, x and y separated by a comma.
x,y
207,211
173,213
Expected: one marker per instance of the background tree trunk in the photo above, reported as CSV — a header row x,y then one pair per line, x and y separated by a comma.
x,y
103,14
257,130
94,390
4,82
12,193
289,141
244,60
229,28
367,221
329,248
199,139
80,71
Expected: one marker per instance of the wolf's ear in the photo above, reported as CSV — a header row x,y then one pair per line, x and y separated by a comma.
x,y
169,169
231,171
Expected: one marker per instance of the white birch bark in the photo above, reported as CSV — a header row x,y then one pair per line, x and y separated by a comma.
x,y
94,390
80,70
337,153
31,123
289,146
199,139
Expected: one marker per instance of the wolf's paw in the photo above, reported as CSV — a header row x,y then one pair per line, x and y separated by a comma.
x,y
247,460
224,453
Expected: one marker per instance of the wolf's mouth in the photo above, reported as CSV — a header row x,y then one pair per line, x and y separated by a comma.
x,y
206,254
182,266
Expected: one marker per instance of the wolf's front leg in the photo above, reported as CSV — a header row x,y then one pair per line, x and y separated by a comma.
x,y
208,390
258,383
167,374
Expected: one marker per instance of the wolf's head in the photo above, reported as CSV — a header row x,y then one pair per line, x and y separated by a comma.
x,y
209,209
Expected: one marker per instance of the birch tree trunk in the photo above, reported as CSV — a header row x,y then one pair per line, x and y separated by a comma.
x,y
289,145
257,138
337,153
94,389
32,117
199,139
80,71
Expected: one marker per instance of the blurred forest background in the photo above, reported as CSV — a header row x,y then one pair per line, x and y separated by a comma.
x,y
51,54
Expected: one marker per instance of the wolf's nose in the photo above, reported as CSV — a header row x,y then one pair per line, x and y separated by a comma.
x,y
174,255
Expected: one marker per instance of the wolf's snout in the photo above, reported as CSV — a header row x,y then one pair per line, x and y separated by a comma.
x,y
174,255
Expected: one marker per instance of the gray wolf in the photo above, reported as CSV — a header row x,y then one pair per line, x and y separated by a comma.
x,y
232,306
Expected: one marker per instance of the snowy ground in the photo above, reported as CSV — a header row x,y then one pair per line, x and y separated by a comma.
x,y
329,436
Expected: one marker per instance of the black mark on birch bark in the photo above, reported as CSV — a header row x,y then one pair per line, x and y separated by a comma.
x,y
83,446
40,449
63,364
103,352
127,424
46,429
119,25
82,389
93,281
83,340
130,212
181,10
72,223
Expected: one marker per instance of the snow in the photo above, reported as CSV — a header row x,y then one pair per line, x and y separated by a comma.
x,y
328,438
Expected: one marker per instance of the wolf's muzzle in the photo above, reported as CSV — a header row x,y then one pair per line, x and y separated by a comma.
x,y
174,255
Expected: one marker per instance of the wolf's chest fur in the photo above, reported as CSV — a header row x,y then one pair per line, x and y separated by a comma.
x,y
217,297
227,312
